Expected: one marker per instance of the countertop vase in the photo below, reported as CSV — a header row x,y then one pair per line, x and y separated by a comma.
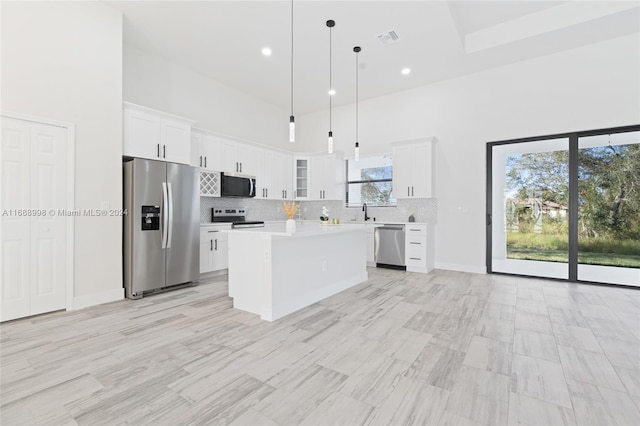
x,y
290,225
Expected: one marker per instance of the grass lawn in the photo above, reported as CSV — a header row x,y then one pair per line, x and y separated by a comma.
x,y
546,255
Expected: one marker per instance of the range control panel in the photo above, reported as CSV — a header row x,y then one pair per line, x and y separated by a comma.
x,y
228,215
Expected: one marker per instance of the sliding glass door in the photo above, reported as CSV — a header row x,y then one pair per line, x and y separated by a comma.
x,y
566,206
529,208
609,208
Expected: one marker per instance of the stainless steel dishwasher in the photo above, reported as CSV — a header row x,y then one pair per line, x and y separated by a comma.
x,y
389,247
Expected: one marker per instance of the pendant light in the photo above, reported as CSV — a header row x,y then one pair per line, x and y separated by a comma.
x,y
330,24
292,121
357,150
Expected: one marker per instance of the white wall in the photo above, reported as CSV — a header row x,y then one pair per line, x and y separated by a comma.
x,y
152,81
63,61
587,88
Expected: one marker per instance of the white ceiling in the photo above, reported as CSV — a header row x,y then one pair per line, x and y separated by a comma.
x,y
438,40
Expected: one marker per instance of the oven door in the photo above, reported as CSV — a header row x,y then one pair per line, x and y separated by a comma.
x,y
238,186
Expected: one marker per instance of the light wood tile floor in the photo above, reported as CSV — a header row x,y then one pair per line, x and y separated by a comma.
x,y
401,349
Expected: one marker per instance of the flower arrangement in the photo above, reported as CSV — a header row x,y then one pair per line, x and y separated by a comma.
x,y
290,209
325,214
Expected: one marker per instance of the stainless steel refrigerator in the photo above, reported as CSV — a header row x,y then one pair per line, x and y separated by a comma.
x,y
161,227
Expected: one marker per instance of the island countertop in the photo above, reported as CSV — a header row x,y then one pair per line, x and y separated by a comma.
x,y
273,273
303,229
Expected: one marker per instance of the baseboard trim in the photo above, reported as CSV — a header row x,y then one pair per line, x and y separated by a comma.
x,y
81,302
459,267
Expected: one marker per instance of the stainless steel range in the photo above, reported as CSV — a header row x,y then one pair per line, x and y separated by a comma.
x,y
235,216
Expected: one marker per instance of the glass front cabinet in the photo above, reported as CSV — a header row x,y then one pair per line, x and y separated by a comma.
x,y
301,178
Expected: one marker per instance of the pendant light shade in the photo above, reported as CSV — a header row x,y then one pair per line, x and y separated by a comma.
x,y
330,23
292,120
357,148
292,129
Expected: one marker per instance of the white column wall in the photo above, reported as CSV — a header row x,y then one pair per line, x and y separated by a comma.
x,y
63,61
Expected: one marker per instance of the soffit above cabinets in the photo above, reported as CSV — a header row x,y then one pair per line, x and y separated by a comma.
x,y
438,40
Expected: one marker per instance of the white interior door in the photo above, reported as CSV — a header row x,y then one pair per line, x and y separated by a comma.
x,y
34,232
14,230
48,243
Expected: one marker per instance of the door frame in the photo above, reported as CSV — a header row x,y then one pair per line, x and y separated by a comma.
x,y
70,235
573,138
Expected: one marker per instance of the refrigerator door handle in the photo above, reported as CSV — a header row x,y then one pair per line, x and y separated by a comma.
x,y
170,198
165,216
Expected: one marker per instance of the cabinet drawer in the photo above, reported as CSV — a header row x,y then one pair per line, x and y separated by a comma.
x,y
416,241
212,231
207,234
416,230
415,261
416,251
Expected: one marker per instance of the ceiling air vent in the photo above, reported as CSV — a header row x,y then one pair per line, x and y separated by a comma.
x,y
388,37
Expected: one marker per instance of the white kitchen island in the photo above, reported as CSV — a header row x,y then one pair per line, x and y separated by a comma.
x,y
273,272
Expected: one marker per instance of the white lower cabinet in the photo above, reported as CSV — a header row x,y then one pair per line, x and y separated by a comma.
x,y
214,253
419,245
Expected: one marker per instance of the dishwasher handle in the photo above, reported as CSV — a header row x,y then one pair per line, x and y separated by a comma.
x,y
392,227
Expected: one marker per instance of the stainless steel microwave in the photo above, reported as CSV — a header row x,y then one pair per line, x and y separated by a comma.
x,y
237,185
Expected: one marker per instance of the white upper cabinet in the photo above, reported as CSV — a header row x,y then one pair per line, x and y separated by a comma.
x,y
156,135
327,177
240,158
206,151
301,178
413,169
280,171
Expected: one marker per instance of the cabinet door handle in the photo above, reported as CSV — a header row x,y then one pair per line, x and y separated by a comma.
x,y
412,191
205,161
240,167
321,194
164,151
201,161
216,248
411,242
415,258
407,191
158,150
236,166
266,192
211,241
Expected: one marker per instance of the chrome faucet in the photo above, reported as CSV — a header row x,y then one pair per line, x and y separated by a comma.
x,y
364,209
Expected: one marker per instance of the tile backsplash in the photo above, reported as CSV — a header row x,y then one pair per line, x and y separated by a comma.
x,y
423,209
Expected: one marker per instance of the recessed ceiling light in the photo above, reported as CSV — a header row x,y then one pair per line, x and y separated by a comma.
x,y
332,92
406,71
266,51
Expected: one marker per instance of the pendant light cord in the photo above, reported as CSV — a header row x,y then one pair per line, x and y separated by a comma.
x,y
330,80
357,96
292,57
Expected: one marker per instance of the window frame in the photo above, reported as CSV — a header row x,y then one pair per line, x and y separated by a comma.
x,y
350,182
